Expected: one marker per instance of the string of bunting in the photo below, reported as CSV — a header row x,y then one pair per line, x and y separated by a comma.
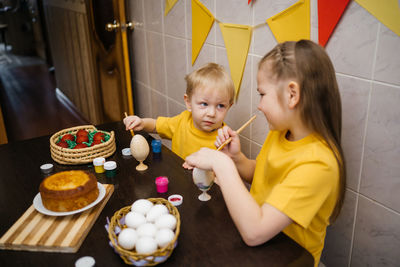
x,y
291,24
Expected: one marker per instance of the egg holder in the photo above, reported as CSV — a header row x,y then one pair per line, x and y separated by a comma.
x,y
117,223
70,156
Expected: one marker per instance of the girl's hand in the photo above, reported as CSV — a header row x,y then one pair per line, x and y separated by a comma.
x,y
133,122
204,159
233,148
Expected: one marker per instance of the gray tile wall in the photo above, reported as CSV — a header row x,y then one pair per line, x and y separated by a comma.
x,y
366,57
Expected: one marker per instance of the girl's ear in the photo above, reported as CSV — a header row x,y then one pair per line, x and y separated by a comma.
x,y
187,102
294,94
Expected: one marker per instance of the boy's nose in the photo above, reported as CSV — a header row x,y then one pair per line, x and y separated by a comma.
x,y
211,111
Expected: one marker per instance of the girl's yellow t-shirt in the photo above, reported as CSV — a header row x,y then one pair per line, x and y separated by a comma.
x,y
301,179
186,138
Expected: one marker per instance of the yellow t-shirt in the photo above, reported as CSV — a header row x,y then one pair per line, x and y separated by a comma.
x,y
301,179
186,138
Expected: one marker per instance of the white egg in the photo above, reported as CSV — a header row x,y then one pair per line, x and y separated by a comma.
x,y
155,212
147,229
142,206
146,245
127,238
164,236
166,221
134,219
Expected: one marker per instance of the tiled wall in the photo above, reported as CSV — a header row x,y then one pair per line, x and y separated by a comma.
x,y
366,56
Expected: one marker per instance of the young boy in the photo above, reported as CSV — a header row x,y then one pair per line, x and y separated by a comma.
x,y
209,95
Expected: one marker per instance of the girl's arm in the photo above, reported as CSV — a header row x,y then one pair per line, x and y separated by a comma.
x,y
137,124
256,224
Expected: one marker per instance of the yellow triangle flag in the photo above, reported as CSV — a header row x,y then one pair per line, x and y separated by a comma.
x,y
237,42
202,21
387,12
293,23
169,4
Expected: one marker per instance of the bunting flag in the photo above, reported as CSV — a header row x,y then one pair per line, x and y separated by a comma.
x,y
237,42
387,12
169,4
248,2
329,13
293,23
202,21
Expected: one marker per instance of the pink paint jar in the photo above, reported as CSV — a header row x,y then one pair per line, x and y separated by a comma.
x,y
162,184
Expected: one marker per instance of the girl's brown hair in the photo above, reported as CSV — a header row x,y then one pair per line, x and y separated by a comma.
x,y
320,104
212,75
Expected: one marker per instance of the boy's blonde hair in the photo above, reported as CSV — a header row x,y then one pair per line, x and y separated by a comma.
x,y
211,75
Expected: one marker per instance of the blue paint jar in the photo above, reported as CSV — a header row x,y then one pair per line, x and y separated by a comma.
x,y
156,146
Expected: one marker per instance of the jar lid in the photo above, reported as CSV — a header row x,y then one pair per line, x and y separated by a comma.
x,y
110,165
86,261
175,200
46,168
126,152
162,180
99,161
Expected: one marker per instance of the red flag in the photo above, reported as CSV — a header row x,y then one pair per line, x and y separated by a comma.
x,y
248,2
329,13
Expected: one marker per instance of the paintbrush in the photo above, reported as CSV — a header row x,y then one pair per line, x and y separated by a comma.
x,y
126,115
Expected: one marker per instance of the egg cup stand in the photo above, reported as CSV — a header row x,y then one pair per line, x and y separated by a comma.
x,y
116,224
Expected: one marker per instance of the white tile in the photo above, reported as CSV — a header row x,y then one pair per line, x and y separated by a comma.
x,y
174,22
175,108
153,15
176,67
255,150
337,246
139,68
381,168
352,43
206,55
387,68
158,104
156,62
135,13
354,96
142,100
377,236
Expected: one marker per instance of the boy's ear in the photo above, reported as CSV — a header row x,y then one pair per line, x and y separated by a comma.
x,y
293,93
187,102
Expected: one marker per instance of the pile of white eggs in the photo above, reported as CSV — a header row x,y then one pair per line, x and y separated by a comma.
x,y
149,226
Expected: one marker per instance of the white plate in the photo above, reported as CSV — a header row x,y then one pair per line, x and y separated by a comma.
x,y
37,203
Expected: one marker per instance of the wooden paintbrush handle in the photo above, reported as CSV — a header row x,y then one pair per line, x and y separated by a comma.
x,y
126,115
238,132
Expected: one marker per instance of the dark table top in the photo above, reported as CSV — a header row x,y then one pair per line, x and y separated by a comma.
x,y
208,236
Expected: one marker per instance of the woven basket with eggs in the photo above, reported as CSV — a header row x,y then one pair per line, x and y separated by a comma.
x,y
71,156
118,224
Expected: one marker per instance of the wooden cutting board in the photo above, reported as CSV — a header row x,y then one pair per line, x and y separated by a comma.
x,y
35,231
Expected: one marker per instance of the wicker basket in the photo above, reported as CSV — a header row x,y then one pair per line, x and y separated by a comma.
x,y
130,256
81,155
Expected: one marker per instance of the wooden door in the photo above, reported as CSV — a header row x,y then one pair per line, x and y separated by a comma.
x,y
91,64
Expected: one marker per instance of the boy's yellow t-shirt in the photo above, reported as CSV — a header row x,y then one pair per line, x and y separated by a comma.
x,y
186,138
301,179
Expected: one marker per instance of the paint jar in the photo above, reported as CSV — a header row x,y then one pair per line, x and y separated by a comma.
x,y
46,168
111,168
162,184
156,146
98,164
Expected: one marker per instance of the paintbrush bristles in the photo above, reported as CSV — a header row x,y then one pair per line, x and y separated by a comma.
x,y
238,132
126,115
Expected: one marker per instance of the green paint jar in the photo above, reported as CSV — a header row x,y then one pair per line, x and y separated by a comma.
x,y
111,168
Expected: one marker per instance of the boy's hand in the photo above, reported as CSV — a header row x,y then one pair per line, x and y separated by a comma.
x,y
233,148
133,122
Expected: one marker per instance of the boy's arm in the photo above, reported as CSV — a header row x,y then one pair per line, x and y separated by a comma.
x,y
149,125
